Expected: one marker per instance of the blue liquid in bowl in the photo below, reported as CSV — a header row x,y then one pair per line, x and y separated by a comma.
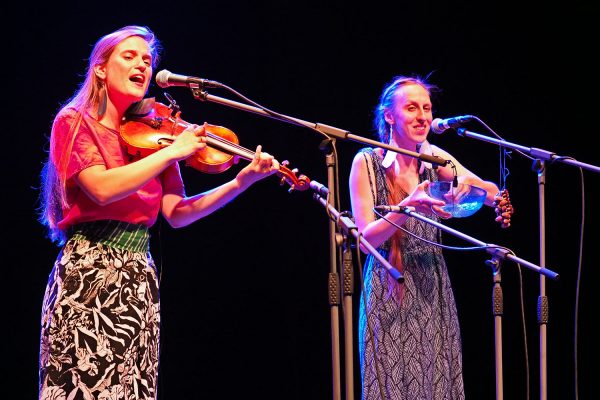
x,y
461,201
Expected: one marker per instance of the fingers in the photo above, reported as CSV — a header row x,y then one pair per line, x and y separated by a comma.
x,y
191,140
440,212
198,133
257,153
423,185
436,202
196,129
265,161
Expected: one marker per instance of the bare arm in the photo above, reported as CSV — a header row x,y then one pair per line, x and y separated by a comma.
x,y
378,231
105,186
180,211
446,173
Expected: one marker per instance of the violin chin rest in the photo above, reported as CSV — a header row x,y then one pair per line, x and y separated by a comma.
x,y
141,108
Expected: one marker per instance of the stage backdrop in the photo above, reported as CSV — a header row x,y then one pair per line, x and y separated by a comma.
x,y
244,294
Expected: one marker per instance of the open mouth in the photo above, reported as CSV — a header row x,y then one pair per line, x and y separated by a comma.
x,y
137,79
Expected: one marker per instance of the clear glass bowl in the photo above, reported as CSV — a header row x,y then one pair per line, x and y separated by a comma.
x,y
461,201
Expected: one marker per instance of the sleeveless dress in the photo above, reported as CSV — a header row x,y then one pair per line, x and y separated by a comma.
x,y
416,343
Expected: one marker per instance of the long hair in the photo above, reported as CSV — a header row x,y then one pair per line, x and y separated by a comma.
x,y
53,197
395,192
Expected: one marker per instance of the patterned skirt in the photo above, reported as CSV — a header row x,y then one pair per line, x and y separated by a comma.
x,y
415,351
101,317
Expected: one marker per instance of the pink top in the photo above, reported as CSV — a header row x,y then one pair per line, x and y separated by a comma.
x,y
96,144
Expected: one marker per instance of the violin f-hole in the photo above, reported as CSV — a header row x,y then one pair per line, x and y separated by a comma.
x,y
164,142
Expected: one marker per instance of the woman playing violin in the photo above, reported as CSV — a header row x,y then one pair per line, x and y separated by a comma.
x,y
101,315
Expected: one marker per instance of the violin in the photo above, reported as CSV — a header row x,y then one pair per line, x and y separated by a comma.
x,y
150,125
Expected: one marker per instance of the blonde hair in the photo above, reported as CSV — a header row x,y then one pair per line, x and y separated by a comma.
x,y
53,198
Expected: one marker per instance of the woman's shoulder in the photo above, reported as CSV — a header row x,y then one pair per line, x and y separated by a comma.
x,y
66,117
368,153
434,150
371,151
67,113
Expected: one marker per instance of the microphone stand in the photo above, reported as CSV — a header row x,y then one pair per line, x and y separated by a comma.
x,y
199,92
541,157
498,254
348,226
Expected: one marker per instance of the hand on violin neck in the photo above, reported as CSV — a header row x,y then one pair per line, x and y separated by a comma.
x,y
261,166
264,162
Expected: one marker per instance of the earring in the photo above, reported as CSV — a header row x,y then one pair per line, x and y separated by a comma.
x,y
390,156
102,101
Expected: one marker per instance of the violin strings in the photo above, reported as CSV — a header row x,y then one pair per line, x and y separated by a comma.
x,y
249,153
216,138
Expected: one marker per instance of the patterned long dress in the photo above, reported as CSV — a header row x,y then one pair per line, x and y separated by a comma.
x,y
416,343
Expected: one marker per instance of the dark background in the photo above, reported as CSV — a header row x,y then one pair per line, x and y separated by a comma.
x,y
244,291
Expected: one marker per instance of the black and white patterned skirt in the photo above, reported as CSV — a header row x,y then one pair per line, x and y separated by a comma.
x,y
101,317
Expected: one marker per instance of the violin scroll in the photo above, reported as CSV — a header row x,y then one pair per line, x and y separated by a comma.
x,y
289,176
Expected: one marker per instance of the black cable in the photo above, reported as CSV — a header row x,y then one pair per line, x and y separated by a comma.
x,y
499,137
526,351
279,116
439,244
579,269
454,174
270,112
503,174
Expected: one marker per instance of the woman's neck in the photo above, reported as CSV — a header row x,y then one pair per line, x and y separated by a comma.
x,y
111,118
406,162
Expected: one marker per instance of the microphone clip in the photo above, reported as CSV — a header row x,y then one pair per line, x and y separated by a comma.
x,y
172,105
198,91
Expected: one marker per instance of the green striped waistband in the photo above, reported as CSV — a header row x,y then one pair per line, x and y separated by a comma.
x,y
132,237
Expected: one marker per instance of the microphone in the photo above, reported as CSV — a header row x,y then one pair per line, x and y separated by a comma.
x,y
395,209
439,125
319,188
166,78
